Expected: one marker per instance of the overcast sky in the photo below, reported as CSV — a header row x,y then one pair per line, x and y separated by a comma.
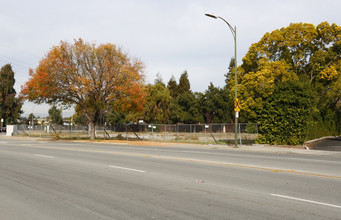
x,y
169,36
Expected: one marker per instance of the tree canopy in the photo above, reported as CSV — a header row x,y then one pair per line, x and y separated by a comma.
x,y
10,105
173,87
157,104
215,105
93,78
287,114
301,52
56,115
184,84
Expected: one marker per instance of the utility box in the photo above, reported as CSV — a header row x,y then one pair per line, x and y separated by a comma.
x,y
11,130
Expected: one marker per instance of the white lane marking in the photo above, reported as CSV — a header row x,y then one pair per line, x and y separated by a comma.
x,y
305,200
3,142
108,143
40,155
125,168
67,144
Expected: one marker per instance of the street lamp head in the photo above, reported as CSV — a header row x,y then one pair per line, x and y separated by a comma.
x,y
212,16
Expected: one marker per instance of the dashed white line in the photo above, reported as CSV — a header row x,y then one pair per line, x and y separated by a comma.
x,y
61,144
306,200
3,142
125,168
40,155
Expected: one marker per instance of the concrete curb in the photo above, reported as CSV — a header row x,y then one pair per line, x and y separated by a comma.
x,y
319,139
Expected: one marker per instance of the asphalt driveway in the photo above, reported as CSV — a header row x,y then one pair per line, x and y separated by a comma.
x,y
329,144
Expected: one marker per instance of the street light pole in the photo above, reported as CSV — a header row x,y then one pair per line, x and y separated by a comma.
x,y
236,102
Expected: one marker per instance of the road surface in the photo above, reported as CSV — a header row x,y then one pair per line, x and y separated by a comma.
x,y
77,180
329,144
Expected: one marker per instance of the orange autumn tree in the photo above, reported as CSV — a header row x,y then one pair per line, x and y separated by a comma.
x,y
92,78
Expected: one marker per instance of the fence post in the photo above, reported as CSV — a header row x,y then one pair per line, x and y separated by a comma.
x,y
240,135
126,131
164,132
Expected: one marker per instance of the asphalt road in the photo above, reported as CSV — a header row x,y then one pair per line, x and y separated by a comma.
x,y
70,180
329,144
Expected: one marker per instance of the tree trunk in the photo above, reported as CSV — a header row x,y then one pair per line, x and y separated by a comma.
x,y
93,131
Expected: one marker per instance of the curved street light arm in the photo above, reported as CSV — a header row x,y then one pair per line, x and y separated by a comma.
x,y
231,28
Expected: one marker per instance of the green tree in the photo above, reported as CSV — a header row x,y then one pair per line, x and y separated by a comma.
x,y
287,114
55,115
173,87
312,53
231,71
79,119
298,52
215,105
255,87
31,118
157,103
184,84
10,105
186,108
115,118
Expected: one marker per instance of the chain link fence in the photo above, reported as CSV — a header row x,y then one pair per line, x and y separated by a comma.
x,y
188,133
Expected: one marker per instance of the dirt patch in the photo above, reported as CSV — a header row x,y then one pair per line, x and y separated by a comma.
x,y
137,143
287,146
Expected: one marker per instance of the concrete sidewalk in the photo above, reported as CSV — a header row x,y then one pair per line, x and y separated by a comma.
x,y
261,148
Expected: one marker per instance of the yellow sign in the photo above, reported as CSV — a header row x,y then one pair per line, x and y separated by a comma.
x,y
236,105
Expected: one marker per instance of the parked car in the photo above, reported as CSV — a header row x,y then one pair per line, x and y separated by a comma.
x,y
3,129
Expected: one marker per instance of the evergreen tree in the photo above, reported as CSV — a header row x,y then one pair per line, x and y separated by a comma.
x,y
186,109
184,85
10,106
215,105
31,118
173,87
157,104
231,70
56,115
287,114
185,106
80,119
115,118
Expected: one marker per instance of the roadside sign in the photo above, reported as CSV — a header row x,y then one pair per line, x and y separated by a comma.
x,y
236,105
